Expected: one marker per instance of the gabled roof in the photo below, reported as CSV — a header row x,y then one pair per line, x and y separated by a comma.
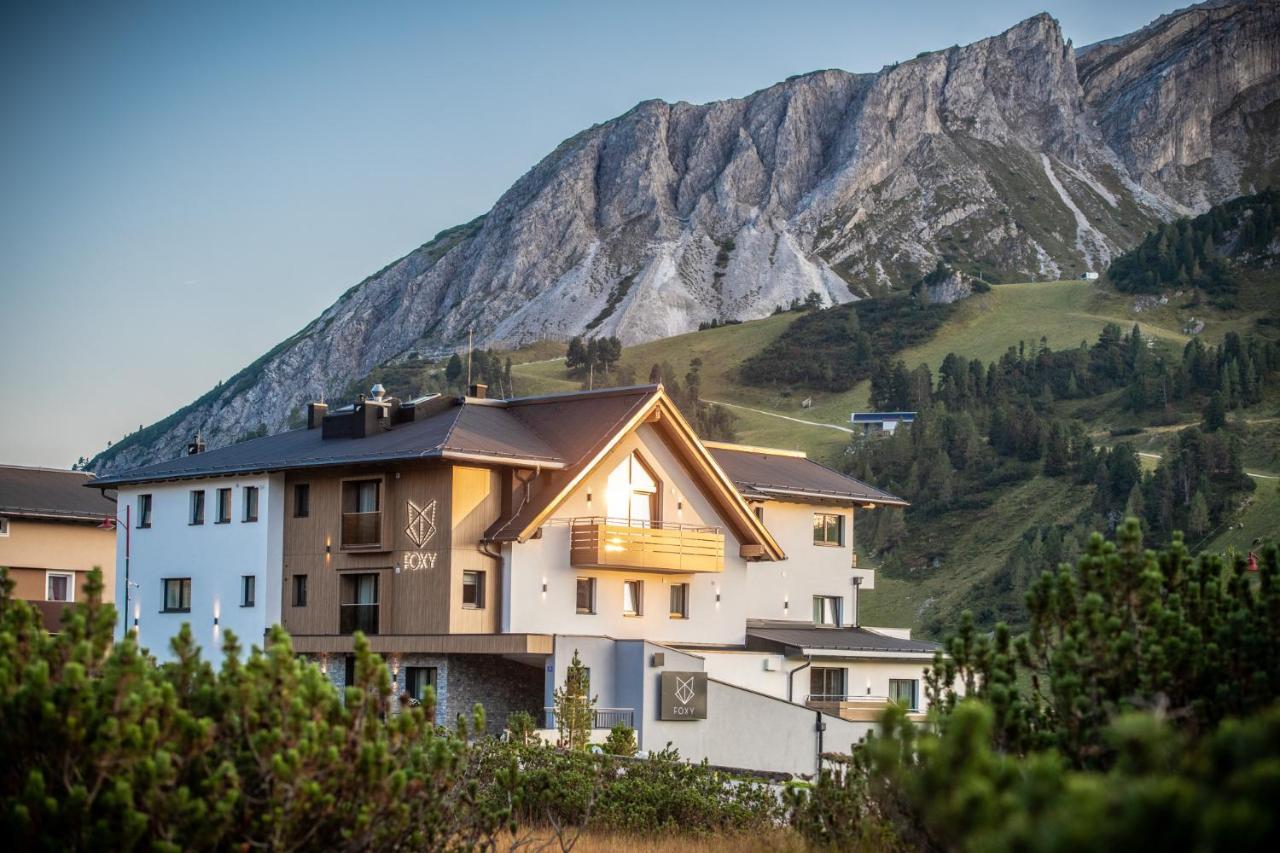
x,y
765,474
803,638
51,494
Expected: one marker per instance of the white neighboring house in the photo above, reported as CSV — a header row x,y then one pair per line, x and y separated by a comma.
x,y
711,589
206,552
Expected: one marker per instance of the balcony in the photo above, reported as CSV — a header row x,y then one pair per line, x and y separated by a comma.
x,y
362,530
358,617
608,543
858,709
605,718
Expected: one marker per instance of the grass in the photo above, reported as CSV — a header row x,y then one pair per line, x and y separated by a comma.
x,y
781,840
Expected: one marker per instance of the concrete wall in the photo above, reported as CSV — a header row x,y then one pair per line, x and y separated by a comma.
x,y
33,548
214,556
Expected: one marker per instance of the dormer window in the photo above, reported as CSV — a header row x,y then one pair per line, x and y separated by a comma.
x,y
633,494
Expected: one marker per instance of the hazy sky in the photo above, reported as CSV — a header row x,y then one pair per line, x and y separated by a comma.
x,y
184,185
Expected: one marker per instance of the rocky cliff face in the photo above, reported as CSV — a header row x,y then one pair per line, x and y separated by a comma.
x,y
1013,158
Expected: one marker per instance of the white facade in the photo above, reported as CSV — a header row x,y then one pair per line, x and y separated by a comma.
x,y
719,604
215,557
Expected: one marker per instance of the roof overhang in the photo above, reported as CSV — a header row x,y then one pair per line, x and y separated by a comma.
x,y
460,644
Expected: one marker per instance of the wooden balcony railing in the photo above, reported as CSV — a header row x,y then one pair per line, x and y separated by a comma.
x,y
864,709
361,529
607,543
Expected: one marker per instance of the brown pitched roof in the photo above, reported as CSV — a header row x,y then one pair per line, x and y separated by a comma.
x,y
51,493
793,639
765,474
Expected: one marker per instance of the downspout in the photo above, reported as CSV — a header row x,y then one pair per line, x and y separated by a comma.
x,y
808,662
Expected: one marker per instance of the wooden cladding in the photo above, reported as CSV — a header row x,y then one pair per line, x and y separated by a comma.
x,y
600,544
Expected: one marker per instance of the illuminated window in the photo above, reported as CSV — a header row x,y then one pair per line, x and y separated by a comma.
x,y
632,494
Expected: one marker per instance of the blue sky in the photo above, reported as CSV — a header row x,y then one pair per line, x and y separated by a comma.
x,y
185,185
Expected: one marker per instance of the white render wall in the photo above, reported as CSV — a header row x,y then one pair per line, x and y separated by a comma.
x,y
770,590
214,556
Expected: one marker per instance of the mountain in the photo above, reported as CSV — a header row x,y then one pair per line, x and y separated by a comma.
x,y
1012,158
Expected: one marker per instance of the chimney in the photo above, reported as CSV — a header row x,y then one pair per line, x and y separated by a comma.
x,y
315,414
477,390
196,446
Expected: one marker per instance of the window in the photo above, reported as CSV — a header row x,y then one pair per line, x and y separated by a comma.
x,y
827,610
905,691
758,509
632,598
586,595
349,671
60,586
197,508
359,610
828,528
679,601
473,589
826,683
631,495
177,595
361,513
248,590
417,679
4,527
223,507
299,590
250,503
144,510
302,500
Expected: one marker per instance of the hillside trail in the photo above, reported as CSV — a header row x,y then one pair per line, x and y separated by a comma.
x,y
776,415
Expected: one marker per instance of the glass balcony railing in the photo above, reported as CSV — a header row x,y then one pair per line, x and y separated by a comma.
x,y
361,529
358,617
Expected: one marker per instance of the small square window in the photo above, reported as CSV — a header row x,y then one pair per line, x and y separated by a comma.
x,y
197,508
473,589
144,510
299,590
633,598
250,503
827,610
679,601
248,590
302,500
586,595
60,586
177,595
223,507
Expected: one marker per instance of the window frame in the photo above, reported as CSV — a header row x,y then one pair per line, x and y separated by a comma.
x,y
301,500
144,511
684,591
353,483
249,584
479,585
914,703
837,611
71,585
412,679
828,675
249,497
184,586
4,527
824,542
637,598
299,585
221,510
591,595
195,507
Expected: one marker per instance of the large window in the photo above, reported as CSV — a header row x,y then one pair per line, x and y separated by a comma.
x,y
60,586
144,510
302,500
299,590
361,513
827,610
359,609
197,508
826,683
250,503
417,680
906,692
632,494
473,589
633,598
248,590
828,528
586,595
223,507
177,595
679,601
